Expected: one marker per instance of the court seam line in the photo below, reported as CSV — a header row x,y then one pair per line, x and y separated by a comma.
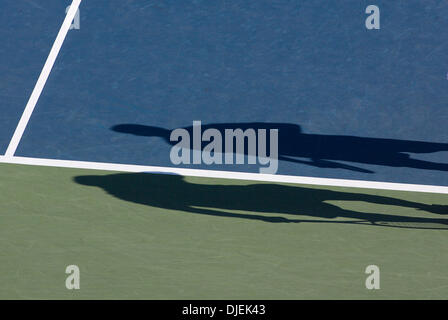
x,y
364,184
42,80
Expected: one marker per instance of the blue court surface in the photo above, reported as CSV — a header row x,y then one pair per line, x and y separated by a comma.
x,y
349,103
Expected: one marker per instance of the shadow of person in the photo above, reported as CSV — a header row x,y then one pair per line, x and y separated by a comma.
x,y
261,202
318,150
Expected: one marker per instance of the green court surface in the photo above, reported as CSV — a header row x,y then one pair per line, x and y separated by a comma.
x,y
150,236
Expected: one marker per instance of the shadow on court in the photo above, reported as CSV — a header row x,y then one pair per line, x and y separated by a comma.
x,y
261,202
323,151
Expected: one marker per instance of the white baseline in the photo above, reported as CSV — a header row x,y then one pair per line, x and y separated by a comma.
x,y
226,174
37,91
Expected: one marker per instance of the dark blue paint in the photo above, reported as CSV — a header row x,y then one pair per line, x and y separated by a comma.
x,y
28,30
306,63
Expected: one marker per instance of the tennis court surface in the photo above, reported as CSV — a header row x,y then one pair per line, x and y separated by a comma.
x,y
87,174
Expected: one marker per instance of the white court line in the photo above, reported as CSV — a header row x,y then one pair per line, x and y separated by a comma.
x,y
226,174
40,84
9,155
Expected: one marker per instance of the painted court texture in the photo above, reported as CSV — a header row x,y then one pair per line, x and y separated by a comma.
x,y
350,104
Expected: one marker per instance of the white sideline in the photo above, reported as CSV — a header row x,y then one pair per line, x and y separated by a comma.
x,y
37,91
226,174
